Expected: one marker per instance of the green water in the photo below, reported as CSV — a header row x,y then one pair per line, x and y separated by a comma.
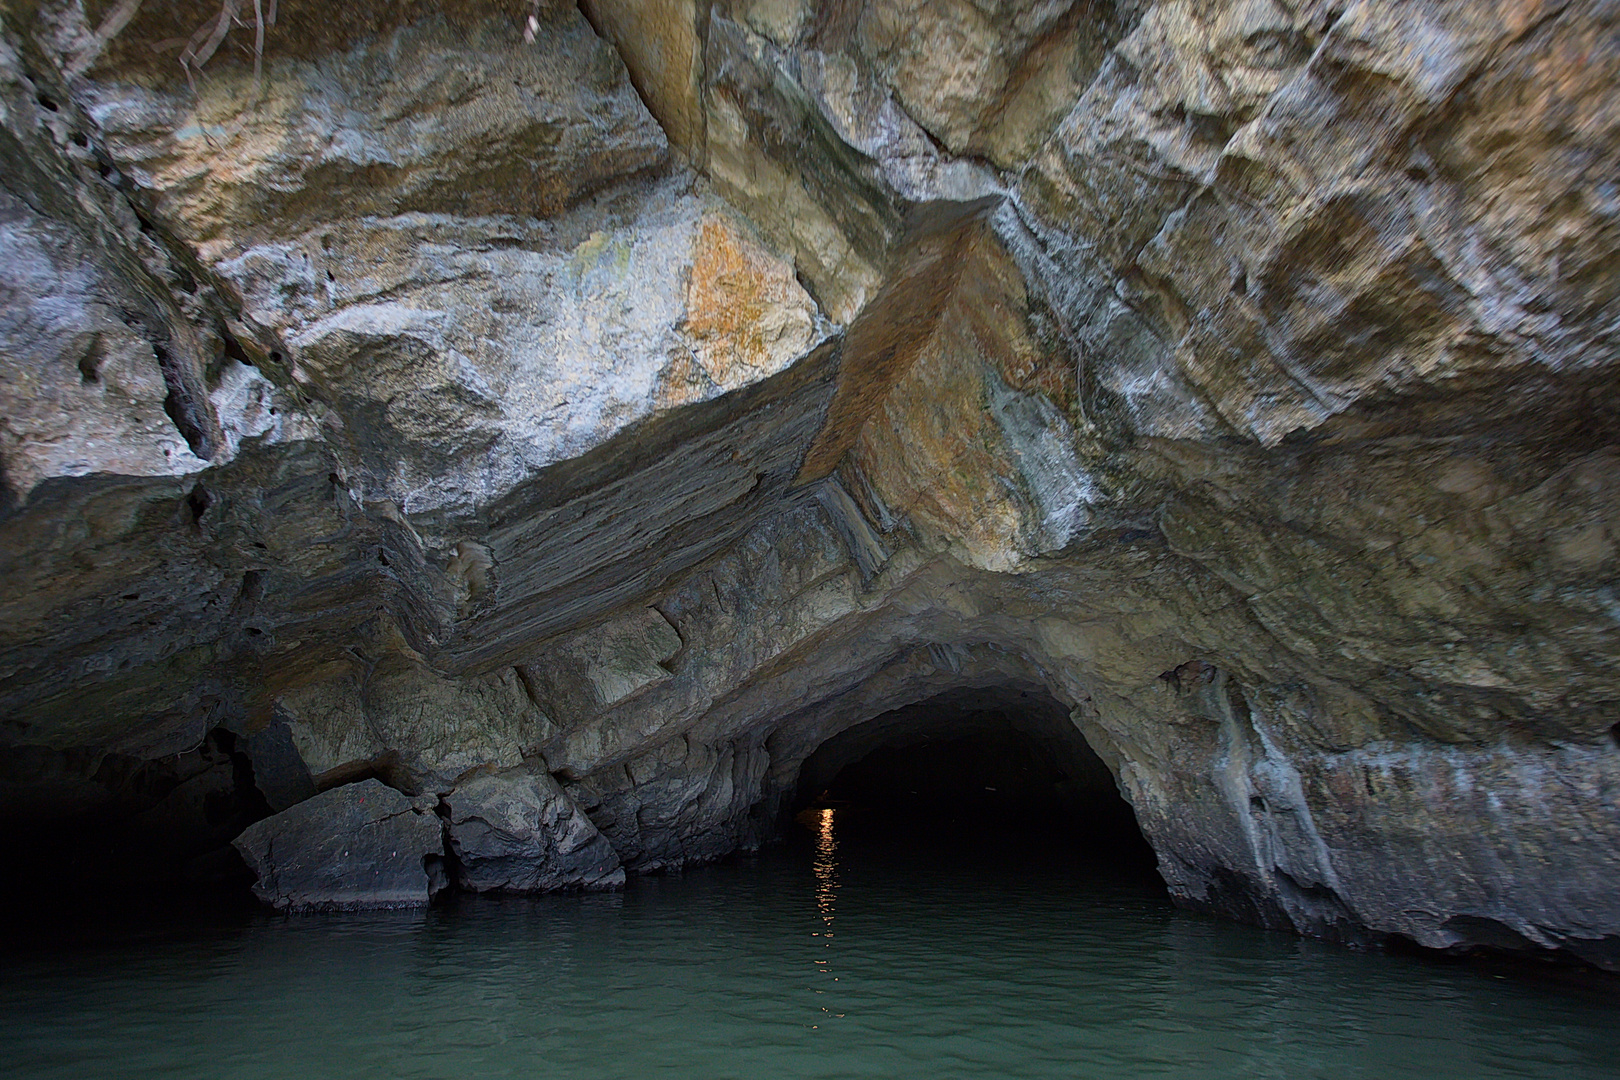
x,y
825,959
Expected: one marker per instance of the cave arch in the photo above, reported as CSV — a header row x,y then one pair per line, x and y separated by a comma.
x,y
1004,760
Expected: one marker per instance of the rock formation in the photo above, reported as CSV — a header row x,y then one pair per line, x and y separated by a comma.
x,y
361,845
570,421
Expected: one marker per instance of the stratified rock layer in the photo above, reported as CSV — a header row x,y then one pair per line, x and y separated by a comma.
x,y
588,431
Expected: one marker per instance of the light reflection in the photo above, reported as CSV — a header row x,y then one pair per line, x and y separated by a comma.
x,y
825,866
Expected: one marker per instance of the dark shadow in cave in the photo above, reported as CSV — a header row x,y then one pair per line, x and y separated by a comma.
x,y
990,769
106,834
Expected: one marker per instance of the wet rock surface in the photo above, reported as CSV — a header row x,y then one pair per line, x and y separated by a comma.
x,y
587,430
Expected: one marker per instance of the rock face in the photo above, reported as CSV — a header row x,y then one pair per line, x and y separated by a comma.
x,y
586,431
517,832
359,846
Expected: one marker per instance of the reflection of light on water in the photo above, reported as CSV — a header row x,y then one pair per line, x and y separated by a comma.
x,y
826,865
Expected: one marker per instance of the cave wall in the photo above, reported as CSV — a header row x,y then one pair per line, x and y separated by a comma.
x,y
572,419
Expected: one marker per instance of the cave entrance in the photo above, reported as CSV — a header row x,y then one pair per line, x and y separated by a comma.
x,y
999,769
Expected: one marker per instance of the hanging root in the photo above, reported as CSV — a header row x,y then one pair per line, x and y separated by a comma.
x,y
118,18
199,48
206,41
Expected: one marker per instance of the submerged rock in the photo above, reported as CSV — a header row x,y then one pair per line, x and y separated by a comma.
x,y
362,845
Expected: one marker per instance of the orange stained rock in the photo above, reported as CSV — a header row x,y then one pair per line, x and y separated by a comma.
x,y
746,314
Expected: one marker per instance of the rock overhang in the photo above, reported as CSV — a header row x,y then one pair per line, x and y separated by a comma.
x,y
879,391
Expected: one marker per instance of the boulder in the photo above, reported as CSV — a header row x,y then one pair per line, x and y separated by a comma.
x,y
516,831
360,846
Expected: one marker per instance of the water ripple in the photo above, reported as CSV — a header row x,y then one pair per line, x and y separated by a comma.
x,y
830,962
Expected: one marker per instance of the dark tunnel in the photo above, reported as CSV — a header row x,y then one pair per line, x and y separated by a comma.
x,y
1001,766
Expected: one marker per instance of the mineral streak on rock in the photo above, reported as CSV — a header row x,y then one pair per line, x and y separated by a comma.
x,y
583,438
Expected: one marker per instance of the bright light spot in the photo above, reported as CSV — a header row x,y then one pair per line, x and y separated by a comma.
x,y
825,865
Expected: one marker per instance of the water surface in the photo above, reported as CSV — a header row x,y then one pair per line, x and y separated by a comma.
x,y
825,959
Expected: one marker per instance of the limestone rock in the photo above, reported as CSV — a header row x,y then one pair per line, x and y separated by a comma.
x,y
455,340
516,831
865,114
662,45
988,79
772,153
1194,172
746,315
1235,376
583,674
379,129
106,357
326,722
947,337
84,392
471,354
358,846
279,773
783,21
366,411
439,728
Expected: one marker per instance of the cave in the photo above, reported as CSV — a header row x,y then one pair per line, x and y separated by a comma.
x,y
561,443
970,770
1126,472
500,468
